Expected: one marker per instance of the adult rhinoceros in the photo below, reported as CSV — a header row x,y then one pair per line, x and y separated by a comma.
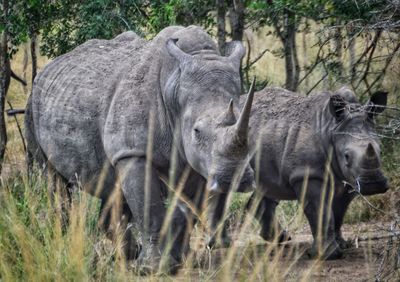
x,y
296,137
91,109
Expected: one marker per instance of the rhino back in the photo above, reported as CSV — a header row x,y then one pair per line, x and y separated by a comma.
x,y
273,103
70,101
282,122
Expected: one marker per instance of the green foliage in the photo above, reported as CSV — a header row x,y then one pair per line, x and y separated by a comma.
x,y
180,12
72,22
23,18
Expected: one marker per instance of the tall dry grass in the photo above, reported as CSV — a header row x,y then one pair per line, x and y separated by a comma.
x,y
36,246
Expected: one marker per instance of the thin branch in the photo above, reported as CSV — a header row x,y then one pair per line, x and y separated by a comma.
x,y
388,61
316,62
370,57
17,78
250,64
316,84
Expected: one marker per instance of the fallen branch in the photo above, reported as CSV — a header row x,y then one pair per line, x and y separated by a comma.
x,y
13,112
378,236
18,125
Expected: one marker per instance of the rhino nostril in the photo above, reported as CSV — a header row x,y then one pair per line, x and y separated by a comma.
x,y
347,158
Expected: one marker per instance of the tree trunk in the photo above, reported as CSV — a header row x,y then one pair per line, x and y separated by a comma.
x,y
338,42
236,20
25,67
352,54
33,55
5,72
288,39
221,30
305,57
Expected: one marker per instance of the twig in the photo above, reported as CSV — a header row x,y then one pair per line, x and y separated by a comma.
x,y
316,62
373,44
316,84
250,64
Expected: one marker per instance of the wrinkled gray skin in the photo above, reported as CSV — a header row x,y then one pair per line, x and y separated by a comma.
x,y
88,119
296,134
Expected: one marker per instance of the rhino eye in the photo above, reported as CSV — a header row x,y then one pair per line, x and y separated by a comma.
x,y
197,132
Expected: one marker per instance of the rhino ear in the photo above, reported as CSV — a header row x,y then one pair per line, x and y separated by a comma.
x,y
235,51
176,52
347,94
377,103
337,107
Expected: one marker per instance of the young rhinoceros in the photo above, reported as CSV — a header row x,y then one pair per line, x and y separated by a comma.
x,y
302,136
94,111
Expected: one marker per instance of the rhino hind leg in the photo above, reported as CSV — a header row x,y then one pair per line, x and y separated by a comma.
x,y
265,214
60,194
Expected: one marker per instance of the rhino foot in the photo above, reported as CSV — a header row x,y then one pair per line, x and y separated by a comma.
x,y
223,242
131,248
269,236
343,244
150,261
331,252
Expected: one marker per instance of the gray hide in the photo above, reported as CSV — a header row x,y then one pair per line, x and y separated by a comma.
x,y
292,137
90,110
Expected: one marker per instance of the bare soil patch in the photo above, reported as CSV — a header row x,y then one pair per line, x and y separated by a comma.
x,y
254,258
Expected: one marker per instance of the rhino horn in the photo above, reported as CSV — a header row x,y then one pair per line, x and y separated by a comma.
x,y
176,52
242,125
370,159
229,117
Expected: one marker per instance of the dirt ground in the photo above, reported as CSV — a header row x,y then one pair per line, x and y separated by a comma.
x,y
368,259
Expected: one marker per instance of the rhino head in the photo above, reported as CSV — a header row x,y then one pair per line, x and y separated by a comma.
x,y
214,139
355,142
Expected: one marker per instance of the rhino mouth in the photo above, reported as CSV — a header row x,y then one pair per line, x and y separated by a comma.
x,y
371,185
221,184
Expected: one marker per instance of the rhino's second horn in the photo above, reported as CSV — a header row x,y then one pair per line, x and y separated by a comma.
x,y
242,125
370,159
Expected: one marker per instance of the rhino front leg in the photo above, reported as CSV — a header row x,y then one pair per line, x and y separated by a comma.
x,y
265,215
322,224
177,241
147,208
340,205
219,234
114,220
